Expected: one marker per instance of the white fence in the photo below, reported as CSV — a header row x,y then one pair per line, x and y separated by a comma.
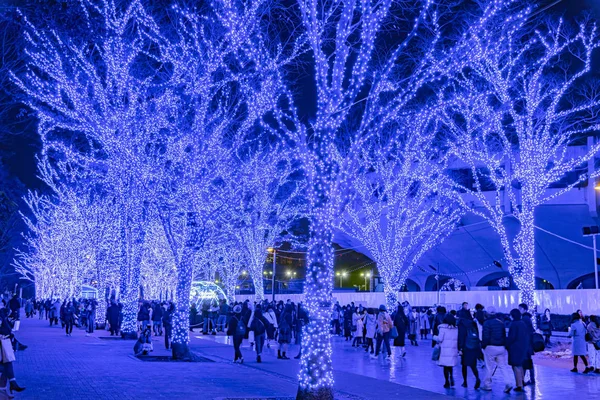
x,y
558,301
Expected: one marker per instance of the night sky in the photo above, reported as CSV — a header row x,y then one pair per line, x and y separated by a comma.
x,y
19,142
17,152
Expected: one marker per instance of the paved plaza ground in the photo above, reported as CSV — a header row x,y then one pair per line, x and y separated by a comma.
x,y
79,367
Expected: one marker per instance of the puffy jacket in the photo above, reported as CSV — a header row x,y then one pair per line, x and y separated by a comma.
x,y
494,333
448,341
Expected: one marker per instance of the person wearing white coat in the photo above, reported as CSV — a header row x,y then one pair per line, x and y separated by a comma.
x,y
272,329
358,325
447,339
371,327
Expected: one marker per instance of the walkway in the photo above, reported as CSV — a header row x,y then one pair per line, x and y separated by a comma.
x,y
79,367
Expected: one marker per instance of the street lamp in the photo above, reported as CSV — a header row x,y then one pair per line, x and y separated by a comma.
x,y
366,276
342,275
272,250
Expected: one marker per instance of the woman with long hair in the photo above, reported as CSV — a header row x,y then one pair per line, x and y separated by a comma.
x,y
447,339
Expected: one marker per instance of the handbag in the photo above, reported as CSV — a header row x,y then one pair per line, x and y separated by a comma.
x,y
16,326
394,333
435,355
6,350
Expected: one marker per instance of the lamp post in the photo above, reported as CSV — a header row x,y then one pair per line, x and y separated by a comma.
x,y
366,276
341,275
272,250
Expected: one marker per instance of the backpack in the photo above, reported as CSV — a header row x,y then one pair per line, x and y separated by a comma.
x,y
240,328
472,340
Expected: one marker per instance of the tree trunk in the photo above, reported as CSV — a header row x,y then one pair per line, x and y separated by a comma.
x,y
258,281
181,318
524,268
133,234
391,296
316,372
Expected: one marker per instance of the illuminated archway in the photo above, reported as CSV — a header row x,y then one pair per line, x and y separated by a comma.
x,y
206,291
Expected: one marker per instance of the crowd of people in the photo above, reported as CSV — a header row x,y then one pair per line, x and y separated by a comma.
x,y
504,343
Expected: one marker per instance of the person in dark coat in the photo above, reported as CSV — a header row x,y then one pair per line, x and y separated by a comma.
x,y
112,315
258,324
167,320
69,318
301,323
15,305
546,326
237,333
468,345
401,323
285,332
157,313
528,363
517,344
437,321
348,323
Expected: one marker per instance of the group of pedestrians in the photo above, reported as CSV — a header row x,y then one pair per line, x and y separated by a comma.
x,y
265,322
153,317
371,329
69,313
504,344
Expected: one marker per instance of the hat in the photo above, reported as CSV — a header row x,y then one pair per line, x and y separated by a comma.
x,y
382,308
237,309
491,310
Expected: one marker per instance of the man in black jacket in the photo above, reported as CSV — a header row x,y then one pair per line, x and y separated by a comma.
x,y
528,365
493,341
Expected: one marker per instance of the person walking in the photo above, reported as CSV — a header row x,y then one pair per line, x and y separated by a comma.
x,y
348,323
237,330
69,318
414,323
578,346
438,319
358,326
593,345
494,350
285,332
223,313
29,309
401,323
528,363
157,313
258,324
370,330
301,322
517,344
167,321
112,315
384,326
271,316
447,339
469,345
